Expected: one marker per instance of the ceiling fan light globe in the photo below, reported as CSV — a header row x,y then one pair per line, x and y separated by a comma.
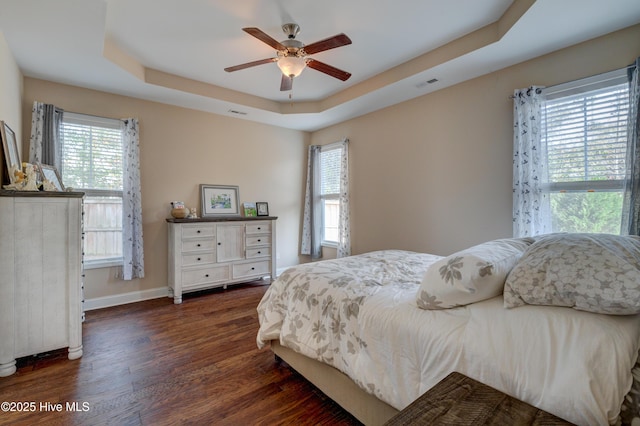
x,y
291,66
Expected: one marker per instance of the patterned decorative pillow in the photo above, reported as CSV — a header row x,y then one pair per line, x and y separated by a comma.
x,y
470,275
590,272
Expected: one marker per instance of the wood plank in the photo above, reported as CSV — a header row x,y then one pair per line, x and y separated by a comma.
x,y
156,363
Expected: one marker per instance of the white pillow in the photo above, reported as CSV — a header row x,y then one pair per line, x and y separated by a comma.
x,y
470,275
590,272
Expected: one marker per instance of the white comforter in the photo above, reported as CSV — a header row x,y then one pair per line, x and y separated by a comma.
x,y
359,315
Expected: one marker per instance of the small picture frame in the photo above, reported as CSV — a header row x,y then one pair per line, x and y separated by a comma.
x,y
10,150
219,200
262,209
250,209
51,174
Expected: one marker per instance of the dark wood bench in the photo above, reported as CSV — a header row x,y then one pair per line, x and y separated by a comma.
x,y
458,400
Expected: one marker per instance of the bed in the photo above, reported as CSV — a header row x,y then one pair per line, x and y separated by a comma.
x,y
552,321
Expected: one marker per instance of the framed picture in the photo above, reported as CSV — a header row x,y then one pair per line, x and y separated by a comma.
x,y
10,149
51,174
219,200
250,209
263,209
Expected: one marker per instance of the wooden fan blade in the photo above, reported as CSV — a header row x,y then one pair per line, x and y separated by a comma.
x,y
264,37
250,64
286,83
327,43
328,69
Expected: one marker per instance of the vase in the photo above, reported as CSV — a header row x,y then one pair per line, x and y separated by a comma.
x,y
179,213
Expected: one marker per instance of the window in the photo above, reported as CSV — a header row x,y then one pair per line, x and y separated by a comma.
x,y
92,162
584,129
330,158
326,202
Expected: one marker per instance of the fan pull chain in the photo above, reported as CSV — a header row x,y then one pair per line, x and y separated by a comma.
x,y
291,98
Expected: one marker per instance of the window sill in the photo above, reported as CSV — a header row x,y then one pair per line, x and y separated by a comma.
x,y
106,263
330,244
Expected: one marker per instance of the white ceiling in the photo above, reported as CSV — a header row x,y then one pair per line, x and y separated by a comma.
x,y
175,51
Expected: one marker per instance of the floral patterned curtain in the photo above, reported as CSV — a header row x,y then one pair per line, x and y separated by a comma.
x,y
631,200
312,221
133,252
44,142
344,228
531,206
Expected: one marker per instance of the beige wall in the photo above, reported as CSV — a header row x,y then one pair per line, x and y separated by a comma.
x,y
434,174
180,149
10,92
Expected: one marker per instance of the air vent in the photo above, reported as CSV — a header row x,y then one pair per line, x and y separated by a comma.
x,y
425,83
235,111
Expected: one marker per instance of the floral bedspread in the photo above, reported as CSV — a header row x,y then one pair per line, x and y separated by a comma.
x,y
359,314
314,308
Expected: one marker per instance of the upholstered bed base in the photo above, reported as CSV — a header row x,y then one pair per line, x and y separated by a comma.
x,y
337,386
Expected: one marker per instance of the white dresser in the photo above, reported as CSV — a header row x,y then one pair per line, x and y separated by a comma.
x,y
214,252
41,274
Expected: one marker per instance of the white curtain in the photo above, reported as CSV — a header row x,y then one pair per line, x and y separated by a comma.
x,y
631,200
531,205
44,142
312,220
132,251
344,229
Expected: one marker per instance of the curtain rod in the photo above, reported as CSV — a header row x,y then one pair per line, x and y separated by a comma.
x,y
539,90
93,115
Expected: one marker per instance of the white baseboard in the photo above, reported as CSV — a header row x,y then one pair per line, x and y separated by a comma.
x,y
124,298
134,296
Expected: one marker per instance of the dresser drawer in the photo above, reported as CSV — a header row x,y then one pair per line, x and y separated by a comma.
x,y
198,259
205,275
198,230
258,240
258,252
259,228
251,269
198,245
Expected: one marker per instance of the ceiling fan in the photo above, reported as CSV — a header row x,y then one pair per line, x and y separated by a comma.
x,y
293,56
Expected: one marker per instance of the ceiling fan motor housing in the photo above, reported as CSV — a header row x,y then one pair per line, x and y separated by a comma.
x,y
294,47
291,30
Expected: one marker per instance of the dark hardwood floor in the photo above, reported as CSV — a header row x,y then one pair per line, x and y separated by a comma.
x,y
156,363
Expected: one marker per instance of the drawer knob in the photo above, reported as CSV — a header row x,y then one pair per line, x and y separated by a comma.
x,y
219,244
259,252
259,228
198,231
198,244
199,259
259,240
252,268
206,275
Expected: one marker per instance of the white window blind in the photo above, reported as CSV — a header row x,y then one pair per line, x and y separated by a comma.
x,y
585,135
92,154
330,158
330,167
